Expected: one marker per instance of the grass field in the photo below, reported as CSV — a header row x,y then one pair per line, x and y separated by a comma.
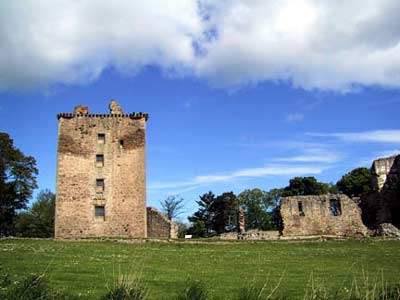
x,y
87,267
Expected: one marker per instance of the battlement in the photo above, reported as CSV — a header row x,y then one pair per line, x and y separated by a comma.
x,y
136,115
115,112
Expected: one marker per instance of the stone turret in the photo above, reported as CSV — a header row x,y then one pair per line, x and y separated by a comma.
x,y
115,109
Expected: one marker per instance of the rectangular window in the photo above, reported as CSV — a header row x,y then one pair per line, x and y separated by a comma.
x,y
99,212
99,185
121,144
99,160
335,207
101,138
300,206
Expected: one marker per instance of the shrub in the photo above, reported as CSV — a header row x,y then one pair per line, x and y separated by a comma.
x,y
194,290
126,288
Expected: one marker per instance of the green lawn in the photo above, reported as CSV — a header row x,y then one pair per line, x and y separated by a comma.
x,y
87,267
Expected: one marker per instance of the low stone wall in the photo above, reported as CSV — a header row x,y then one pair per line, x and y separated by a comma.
x,y
260,235
159,226
313,215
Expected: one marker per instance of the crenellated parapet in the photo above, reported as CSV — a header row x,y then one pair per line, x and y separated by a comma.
x,y
136,115
115,112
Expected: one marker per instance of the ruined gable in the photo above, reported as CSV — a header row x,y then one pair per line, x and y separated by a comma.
x,y
321,215
383,204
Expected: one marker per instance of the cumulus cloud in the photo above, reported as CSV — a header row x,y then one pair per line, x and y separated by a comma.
x,y
328,45
313,44
49,42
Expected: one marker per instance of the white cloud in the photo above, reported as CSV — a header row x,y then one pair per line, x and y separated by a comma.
x,y
295,117
329,45
204,180
376,136
316,155
311,43
49,42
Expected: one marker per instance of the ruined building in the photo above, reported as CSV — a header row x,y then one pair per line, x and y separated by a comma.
x,y
344,216
321,215
101,176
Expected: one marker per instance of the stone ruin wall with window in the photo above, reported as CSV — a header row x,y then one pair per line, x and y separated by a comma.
x,y
101,174
321,215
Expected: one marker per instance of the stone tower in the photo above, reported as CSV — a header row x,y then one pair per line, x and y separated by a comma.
x,y
101,174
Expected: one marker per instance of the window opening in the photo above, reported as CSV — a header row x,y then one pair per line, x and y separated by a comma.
x,y
99,160
99,185
300,206
99,212
335,207
101,138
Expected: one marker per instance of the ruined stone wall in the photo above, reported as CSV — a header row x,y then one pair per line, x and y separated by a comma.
x,y
159,226
385,171
317,218
123,172
383,204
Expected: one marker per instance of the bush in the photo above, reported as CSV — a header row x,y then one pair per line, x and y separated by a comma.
x,y
33,287
126,288
194,290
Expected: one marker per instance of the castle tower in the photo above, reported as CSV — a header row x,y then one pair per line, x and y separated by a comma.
x,y
101,174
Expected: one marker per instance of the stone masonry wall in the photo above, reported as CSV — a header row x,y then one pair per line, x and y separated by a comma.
x,y
383,204
317,217
159,226
124,175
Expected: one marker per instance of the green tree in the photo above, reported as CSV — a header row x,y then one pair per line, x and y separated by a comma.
x,y
356,183
173,206
17,182
305,186
224,212
38,221
204,216
215,214
258,207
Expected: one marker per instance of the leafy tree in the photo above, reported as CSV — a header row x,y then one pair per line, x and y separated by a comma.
x,y
215,214
38,221
305,186
17,181
198,229
172,206
224,212
204,216
356,183
258,207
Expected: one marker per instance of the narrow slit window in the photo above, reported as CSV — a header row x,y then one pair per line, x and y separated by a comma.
x,y
121,144
99,160
101,138
300,206
335,207
99,212
99,185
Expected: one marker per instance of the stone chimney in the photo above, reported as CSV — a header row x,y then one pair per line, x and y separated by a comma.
x,y
81,110
115,109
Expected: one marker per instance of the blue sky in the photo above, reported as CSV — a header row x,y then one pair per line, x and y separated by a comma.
x,y
240,94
